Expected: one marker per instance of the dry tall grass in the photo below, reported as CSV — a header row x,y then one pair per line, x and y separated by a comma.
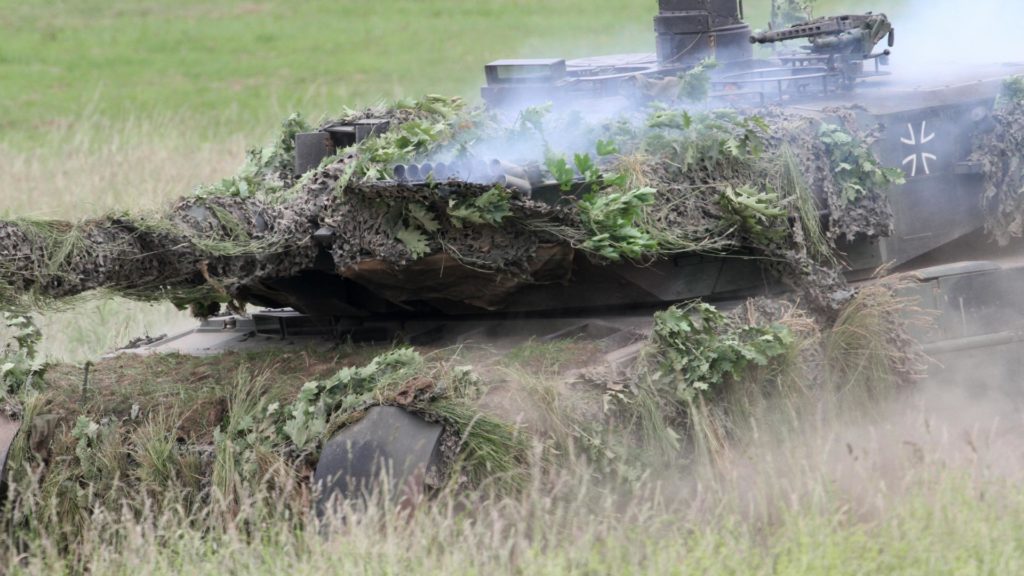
x,y
95,165
92,166
905,490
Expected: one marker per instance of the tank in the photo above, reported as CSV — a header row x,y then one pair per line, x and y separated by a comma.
x,y
928,132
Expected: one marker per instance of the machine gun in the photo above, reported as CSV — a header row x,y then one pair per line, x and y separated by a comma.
x,y
839,44
849,35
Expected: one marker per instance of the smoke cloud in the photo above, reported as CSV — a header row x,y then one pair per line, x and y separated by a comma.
x,y
932,35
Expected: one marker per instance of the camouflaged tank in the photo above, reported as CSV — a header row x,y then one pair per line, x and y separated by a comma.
x,y
584,197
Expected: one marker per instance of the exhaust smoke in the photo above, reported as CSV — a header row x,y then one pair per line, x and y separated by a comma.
x,y
946,37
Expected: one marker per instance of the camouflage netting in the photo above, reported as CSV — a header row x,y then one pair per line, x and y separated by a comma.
x,y
223,246
642,185
1001,153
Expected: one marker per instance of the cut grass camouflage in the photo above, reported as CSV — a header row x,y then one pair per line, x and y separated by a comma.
x,y
999,152
248,426
144,432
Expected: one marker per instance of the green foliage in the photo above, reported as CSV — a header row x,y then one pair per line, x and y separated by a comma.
x,y
248,443
857,171
611,219
1013,91
350,389
415,222
561,171
490,450
699,348
232,239
421,215
998,151
691,86
586,167
542,358
606,148
20,363
404,141
789,12
489,208
674,119
793,188
868,349
278,159
418,128
62,243
756,214
533,118
267,170
414,240
695,84
86,435
711,142
493,452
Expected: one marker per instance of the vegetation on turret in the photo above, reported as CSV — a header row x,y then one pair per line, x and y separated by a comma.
x,y
638,185
1000,153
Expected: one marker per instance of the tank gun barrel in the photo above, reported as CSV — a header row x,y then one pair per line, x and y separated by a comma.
x,y
812,29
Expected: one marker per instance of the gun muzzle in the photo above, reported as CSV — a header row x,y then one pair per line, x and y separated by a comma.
x,y
765,37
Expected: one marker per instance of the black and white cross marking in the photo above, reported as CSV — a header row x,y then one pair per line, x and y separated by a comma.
x,y
918,144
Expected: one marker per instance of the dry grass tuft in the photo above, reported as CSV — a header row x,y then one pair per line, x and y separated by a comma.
x,y
98,165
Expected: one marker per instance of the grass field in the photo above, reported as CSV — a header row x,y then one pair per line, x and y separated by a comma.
x,y
240,66
237,67
129,104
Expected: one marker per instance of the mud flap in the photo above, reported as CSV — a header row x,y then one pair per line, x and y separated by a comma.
x,y
8,432
387,444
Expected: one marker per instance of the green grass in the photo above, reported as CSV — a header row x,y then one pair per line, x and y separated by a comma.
x,y
249,63
240,66
948,530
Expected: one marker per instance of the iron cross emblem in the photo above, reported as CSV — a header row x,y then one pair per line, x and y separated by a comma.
x,y
918,142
